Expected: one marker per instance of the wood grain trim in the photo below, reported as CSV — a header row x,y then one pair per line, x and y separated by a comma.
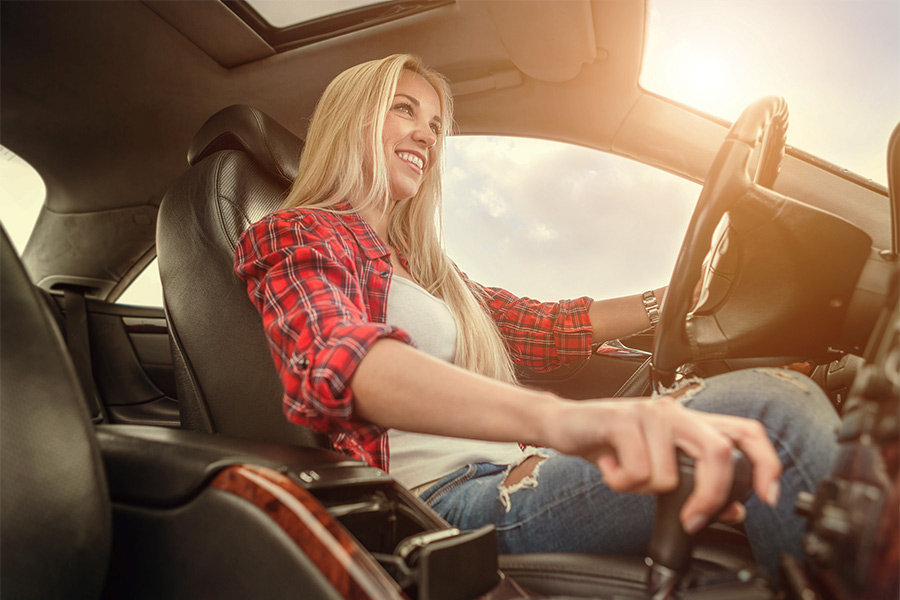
x,y
346,565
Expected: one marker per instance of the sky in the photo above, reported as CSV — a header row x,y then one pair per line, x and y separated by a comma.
x,y
552,221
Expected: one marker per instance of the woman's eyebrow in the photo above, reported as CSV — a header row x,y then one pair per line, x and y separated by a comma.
x,y
415,102
412,99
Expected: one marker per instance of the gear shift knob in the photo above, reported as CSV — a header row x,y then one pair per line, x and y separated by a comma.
x,y
670,545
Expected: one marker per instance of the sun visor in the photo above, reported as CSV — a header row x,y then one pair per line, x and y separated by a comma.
x,y
549,41
662,134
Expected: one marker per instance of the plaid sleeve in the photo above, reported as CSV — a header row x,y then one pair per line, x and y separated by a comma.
x,y
540,335
313,308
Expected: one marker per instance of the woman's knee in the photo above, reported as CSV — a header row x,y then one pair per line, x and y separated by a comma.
x,y
795,412
765,393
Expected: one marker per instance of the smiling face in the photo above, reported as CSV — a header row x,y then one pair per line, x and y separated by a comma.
x,y
411,130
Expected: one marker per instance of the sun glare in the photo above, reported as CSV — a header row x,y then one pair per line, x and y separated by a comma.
x,y
833,61
704,77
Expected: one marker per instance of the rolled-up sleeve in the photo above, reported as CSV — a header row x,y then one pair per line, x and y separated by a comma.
x,y
540,335
308,291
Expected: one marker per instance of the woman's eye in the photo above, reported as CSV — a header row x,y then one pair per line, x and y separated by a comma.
x,y
436,129
403,107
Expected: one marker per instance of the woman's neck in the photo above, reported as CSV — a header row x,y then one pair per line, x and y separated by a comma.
x,y
378,221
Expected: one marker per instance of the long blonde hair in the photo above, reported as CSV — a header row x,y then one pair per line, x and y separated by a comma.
x,y
343,158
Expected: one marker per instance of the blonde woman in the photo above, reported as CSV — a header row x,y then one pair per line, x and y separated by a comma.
x,y
385,346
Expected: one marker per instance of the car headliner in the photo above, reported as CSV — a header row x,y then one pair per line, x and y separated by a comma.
x,y
103,98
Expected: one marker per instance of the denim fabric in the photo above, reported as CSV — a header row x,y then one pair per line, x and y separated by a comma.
x,y
568,508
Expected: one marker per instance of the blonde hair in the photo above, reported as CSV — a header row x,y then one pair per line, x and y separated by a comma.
x,y
343,158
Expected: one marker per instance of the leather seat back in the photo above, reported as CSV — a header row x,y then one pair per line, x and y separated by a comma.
x,y
243,163
56,520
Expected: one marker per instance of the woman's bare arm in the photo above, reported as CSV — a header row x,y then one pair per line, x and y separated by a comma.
x,y
619,317
631,441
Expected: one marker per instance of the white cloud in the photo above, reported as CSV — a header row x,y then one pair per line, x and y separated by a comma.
x,y
543,233
491,201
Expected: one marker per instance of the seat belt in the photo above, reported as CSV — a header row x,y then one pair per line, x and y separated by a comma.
x,y
79,342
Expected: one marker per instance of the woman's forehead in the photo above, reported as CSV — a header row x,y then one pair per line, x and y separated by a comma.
x,y
415,86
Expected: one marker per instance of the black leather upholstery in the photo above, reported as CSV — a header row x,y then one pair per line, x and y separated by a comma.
x,y
159,466
56,517
242,165
249,130
167,533
177,536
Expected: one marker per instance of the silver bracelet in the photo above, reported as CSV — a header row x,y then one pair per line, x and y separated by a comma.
x,y
651,305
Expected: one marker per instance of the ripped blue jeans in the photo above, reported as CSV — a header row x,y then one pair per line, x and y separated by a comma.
x,y
564,505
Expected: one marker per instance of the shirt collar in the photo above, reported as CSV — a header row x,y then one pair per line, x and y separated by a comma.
x,y
372,245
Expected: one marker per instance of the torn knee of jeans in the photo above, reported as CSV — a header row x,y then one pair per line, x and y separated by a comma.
x,y
685,389
529,480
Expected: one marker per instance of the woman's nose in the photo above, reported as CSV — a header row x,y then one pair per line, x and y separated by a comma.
x,y
425,135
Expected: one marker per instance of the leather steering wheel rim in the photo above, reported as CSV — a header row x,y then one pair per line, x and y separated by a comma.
x,y
763,122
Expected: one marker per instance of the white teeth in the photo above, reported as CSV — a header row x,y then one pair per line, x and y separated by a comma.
x,y
412,158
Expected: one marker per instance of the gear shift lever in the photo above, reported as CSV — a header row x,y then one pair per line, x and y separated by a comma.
x,y
670,546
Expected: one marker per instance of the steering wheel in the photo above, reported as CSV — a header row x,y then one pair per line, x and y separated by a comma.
x,y
764,124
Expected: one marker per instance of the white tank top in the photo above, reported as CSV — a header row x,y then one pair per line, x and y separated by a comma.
x,y
415,458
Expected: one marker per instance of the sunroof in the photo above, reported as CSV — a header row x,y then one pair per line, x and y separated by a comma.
x,y
286,24
279,13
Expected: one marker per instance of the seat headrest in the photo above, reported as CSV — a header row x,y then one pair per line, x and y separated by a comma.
x,y
244,128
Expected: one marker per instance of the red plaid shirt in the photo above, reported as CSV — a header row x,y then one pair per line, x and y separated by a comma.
x,y
320,281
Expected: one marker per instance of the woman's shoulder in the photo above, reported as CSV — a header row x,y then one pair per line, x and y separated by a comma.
x,y
306,222
302,216
334,231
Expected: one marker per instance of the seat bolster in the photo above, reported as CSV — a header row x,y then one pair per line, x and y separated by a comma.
x,y
155,466
224,387
244,128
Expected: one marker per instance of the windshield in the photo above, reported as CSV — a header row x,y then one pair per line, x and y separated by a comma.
x,y
836,63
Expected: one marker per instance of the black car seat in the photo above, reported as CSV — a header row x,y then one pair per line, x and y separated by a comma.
x,y
124,511
56,515
242,165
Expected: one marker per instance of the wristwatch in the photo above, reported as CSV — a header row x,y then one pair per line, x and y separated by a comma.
x,y
651,305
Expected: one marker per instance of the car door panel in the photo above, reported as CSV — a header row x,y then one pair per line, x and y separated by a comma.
x,y
132,363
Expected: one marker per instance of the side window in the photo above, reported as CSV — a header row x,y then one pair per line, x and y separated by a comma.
x,y
550,220
22,193
21,197
145,290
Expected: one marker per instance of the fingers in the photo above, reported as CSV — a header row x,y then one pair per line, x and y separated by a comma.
x,y
750,436
661,441
711,444
713,474
733,514
627,467
633,444
641,460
